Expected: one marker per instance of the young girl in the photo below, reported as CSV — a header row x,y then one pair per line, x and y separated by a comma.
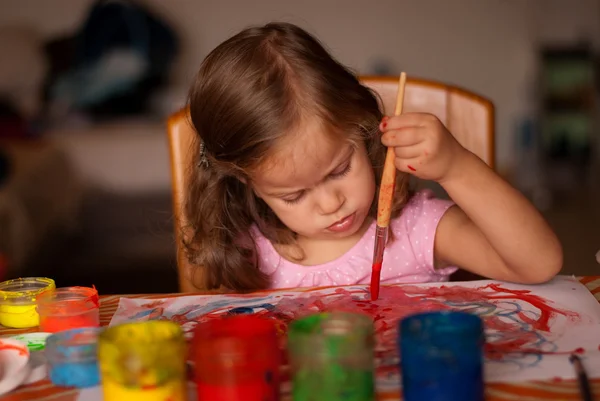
x,y
289,158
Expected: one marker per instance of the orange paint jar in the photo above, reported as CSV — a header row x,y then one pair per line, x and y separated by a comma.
x,y
68,308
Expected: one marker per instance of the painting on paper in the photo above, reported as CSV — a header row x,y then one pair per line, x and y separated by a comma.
x,y
530,330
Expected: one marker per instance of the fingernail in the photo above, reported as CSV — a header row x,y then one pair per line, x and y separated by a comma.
x,y
384,124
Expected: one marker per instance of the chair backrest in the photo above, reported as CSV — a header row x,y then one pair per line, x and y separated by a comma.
x,y
181,139
467,115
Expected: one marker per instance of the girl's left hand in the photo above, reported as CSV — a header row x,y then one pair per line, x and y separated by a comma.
x,y
423,146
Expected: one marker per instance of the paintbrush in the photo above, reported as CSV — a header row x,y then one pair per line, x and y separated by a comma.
x,y
582,378
384,205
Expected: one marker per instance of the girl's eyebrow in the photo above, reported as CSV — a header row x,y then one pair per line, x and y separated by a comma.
x,y
346,158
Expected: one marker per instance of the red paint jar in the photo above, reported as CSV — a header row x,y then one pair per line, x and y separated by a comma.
x,y
68,308
236,358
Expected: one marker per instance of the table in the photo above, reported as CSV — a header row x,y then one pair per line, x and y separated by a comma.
x,y
527,391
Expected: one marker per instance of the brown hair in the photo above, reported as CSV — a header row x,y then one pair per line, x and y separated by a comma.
x,y
249,92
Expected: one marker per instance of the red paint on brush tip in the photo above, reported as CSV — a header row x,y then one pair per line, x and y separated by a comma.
x,y
375,281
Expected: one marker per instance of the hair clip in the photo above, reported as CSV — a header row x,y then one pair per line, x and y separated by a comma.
x,y
203,162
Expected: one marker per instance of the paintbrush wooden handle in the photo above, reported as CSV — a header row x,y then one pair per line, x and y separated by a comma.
x,y
388,178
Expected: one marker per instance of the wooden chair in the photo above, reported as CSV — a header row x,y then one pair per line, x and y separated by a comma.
x,y
467,115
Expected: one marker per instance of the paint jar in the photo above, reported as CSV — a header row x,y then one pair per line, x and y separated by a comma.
x,y
72,357
237,358
68,308
441,356
143,361
17,301
332,357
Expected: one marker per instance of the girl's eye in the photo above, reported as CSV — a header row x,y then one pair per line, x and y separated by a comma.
x,y
294,198
341,172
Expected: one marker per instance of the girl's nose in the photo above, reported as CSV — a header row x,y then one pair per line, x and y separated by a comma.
x,y
330,200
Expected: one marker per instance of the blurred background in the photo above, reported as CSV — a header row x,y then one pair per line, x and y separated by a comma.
x,y
86,87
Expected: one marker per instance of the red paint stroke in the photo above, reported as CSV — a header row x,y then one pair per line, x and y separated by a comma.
x,y
22,351
411,168
494,353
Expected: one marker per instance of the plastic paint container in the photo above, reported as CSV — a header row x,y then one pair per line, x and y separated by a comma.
x,y
17,301
68,308
72,357
237,358
441,356
143,361
332,357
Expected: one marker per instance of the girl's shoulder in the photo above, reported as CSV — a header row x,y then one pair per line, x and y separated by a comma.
x,y
414,238
422,213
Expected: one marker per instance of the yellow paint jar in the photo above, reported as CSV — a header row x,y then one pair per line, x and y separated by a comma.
x,y
18,301
143,361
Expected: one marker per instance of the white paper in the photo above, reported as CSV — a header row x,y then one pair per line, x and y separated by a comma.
x,y
572,311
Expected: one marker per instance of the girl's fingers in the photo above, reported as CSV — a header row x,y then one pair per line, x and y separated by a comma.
x,y
402,137
407,152
407,165
406,120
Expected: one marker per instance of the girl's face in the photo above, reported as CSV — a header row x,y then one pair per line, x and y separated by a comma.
x,y
319,187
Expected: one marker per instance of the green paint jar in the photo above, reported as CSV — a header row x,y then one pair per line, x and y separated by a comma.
x,y
332,357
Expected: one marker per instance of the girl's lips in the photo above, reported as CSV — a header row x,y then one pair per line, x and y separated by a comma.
x,y
343,224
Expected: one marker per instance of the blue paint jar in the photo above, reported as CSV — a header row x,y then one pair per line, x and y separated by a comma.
x,y
441,356
72,357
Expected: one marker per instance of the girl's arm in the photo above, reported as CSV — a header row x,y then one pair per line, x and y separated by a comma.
x,y
493,230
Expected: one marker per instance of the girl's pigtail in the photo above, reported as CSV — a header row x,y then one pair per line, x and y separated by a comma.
x,y
219,243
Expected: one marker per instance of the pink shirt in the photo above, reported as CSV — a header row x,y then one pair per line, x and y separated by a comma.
x,y
408,259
